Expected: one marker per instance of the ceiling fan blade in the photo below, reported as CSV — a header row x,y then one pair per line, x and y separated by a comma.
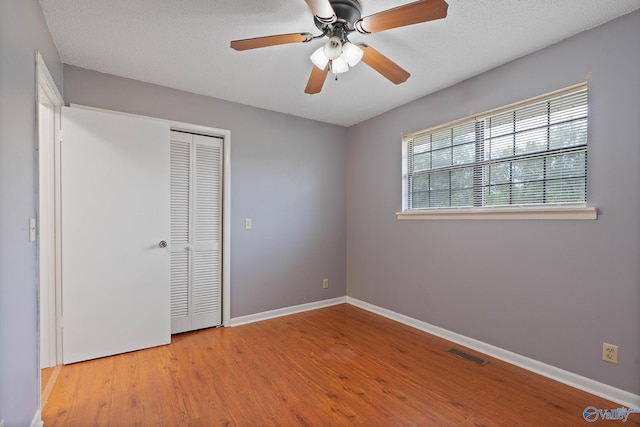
x,y
316,80
383,65
322,10
270,41
412,13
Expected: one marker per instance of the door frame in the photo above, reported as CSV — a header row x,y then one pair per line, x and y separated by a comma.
x,y
48,217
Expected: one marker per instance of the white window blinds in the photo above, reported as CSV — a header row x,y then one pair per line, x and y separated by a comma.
x,y
530,153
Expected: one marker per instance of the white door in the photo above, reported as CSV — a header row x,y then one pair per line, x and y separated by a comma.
x,y
196,226
115,213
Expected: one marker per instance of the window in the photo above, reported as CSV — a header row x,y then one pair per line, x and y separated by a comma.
x,y
528,155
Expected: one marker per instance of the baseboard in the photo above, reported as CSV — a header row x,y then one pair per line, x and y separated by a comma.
x,y
37,420
242,320
605,391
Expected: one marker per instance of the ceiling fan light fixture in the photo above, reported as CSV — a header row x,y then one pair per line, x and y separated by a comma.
x,y
337,19
319,59
333,48
339,65
352,53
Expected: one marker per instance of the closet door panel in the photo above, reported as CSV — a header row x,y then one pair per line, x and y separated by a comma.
x,y
180,231
206,248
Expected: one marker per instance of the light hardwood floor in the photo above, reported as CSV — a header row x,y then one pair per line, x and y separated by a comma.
x,y
337,366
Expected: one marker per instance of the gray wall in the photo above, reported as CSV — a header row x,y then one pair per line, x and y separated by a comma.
x,y
287,174
22,31
549,290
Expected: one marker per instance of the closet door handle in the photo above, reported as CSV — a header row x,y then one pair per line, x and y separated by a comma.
x,y
162,244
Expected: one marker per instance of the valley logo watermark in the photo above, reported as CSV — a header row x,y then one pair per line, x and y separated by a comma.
x,y
591,414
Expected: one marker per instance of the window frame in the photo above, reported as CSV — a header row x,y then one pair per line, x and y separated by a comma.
x,y
553,211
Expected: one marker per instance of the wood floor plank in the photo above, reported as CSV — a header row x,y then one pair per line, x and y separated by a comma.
x,y
48,378
337,366
45,375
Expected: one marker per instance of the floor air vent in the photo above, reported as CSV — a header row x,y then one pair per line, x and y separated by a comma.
x,y
467,356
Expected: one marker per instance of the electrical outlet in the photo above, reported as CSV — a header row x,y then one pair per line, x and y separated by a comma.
x,y
610,353
325,283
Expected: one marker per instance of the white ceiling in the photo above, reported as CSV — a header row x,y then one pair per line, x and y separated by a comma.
x,y
184,44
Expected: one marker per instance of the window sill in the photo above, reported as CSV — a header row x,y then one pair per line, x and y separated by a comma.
x,y
536,213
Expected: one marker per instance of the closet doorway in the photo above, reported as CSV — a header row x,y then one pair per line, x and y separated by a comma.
x,y
196,231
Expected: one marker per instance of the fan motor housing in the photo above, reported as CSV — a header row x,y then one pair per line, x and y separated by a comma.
x,y
347,12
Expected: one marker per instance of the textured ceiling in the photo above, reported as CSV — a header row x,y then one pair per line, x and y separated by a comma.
x,y
184,44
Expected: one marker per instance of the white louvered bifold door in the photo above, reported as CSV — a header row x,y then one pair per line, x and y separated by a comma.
x,y
196,213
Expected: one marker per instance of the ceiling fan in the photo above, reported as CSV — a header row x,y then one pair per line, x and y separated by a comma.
x,y
339,18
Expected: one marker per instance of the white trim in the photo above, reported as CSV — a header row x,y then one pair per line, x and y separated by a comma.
x,y
539,213
265,315
226,195
226,230
577,381
45,79
37,420
47,93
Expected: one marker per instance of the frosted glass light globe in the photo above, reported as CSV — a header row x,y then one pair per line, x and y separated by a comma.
x,y
333,48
